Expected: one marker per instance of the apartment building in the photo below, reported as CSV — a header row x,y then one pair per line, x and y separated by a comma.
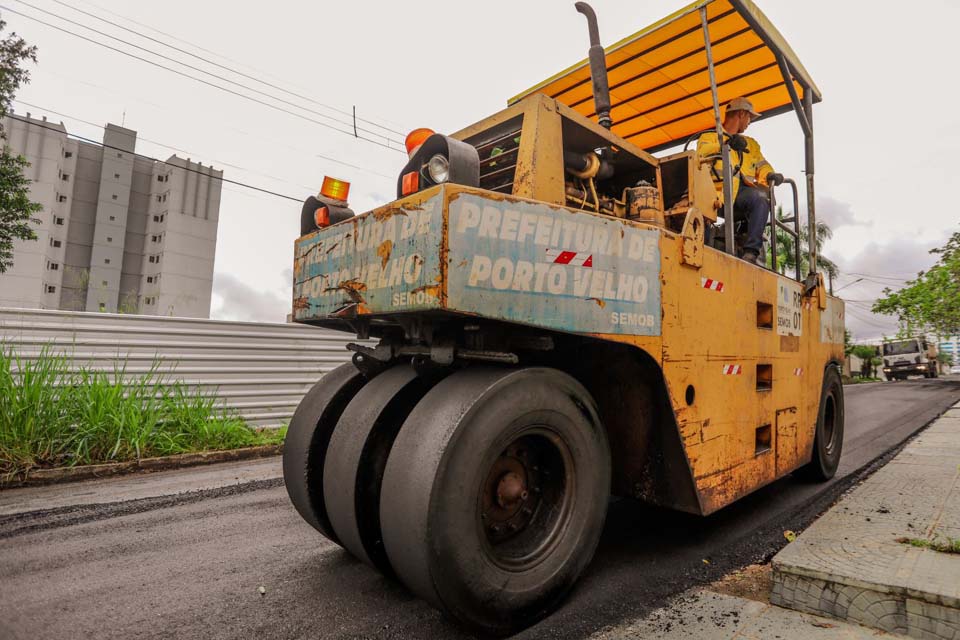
x,y
118,232
951,346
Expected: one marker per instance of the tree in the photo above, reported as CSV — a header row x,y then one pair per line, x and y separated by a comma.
x,y
931,302
869,357
16,209
786,249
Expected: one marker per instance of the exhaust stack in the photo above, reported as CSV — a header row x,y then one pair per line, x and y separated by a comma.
x,y
598,67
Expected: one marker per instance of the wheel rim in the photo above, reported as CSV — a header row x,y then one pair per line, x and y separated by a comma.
x,y
830,423
526,499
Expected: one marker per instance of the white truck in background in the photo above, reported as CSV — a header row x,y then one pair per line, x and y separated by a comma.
x,y
909,357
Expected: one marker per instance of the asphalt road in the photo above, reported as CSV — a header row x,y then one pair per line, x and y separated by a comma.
x,y
191,567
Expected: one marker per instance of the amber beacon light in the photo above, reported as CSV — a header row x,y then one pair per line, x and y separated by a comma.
x,y
336,189
326,208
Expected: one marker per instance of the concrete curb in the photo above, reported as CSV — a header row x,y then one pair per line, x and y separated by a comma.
x,y
86,472
850,563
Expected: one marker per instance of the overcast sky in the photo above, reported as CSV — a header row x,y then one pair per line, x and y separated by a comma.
x,y
887,132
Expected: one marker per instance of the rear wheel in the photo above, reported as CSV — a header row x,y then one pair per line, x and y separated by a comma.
x,y
494,494
357,455
305,446
828,441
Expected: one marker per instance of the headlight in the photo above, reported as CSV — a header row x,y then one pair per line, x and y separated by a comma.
x,y
439,169
439,160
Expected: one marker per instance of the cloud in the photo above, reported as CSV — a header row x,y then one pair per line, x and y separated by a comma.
x,y
838,214
900,259
875,267
236,300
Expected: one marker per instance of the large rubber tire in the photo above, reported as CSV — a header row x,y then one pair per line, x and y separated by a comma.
x,y
828,441
357,455
308,435
438,480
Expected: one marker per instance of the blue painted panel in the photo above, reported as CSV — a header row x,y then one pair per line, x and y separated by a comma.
x,y
387,260
550,267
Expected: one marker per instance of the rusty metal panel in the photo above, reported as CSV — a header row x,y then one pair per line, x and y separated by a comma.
x,y
788,457
832,322
547,266
383,261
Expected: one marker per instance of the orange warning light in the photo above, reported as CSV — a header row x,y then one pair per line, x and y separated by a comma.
x,y
321,217
416,138
336,189
411,183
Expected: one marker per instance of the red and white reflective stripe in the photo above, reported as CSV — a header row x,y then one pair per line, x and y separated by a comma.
x,y
798,371
713,285
732,370
573,258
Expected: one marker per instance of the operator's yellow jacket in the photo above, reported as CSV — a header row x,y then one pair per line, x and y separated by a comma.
x,y
750,166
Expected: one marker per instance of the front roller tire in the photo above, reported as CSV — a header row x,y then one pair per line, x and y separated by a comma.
x,y
357,455
308,436
828,441
494,494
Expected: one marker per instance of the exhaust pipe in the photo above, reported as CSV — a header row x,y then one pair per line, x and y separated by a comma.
x,y
598,67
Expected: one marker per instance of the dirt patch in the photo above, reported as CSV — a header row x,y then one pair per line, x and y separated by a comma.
x,y
753,582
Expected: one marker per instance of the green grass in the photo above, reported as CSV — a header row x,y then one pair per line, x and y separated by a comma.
x,y
54,415
951,545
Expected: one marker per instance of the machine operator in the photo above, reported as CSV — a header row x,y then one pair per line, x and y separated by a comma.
x,y
751,173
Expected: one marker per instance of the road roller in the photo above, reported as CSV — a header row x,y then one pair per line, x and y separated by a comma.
x,y
552,312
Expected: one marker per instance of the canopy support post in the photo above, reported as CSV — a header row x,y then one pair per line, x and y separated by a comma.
x,y
798,108
724,149
811,198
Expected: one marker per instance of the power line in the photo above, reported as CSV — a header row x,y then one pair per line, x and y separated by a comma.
x,y
211,52
165,146
203,71
869,321
201,80
140,155
884,276
307,152
216,64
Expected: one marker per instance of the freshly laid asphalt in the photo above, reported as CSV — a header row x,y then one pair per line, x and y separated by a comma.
x,y
192,565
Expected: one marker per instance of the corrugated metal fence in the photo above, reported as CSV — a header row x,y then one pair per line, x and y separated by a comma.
x,y
260,370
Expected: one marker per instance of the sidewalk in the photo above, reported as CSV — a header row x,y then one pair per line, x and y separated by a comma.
x,y
138,486
708,615
868,559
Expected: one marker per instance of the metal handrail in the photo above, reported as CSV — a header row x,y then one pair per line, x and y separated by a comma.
x,y
782,224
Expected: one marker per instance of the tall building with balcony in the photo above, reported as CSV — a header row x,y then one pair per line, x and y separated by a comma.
x,y
118,232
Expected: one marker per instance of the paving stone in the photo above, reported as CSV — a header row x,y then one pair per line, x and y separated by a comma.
x,y
849,565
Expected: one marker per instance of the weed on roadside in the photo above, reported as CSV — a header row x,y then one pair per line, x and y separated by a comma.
x,y
54,413
951,545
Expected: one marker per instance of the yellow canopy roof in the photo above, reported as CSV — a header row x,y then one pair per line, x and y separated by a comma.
x,y
659,83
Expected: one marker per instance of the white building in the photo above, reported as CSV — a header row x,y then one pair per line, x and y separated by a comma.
x,y
951,346
118,232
